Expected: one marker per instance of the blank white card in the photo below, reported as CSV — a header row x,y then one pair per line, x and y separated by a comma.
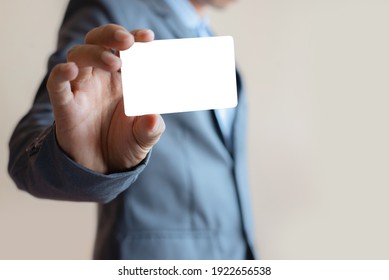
x,y
179,75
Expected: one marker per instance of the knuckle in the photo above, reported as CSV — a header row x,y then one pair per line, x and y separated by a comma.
x,y
49,84
72,52
110,27
53,73
108,31
100,34
51,81
90,34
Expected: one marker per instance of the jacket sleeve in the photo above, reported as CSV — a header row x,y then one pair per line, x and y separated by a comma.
x,y
36,162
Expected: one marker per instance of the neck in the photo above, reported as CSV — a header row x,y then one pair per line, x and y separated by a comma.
x,y
199,6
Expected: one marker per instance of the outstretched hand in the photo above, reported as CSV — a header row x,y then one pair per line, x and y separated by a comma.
x,y
86,94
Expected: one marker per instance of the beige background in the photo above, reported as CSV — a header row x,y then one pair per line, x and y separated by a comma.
x,y
317,79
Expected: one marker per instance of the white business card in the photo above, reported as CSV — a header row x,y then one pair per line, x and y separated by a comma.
x,y
179,75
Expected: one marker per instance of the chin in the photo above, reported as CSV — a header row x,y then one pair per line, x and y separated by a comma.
x,y
216,3
221,3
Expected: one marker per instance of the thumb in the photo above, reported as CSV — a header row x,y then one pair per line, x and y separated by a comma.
x,y
147,130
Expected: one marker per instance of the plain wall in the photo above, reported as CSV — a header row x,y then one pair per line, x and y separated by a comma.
x,y
316,73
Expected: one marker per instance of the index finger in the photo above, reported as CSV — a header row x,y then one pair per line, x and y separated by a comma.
x,y
110,36
143,35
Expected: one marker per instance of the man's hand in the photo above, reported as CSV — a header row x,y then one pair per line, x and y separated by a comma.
x,y
86,94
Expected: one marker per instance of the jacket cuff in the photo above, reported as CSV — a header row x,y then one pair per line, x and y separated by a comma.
x,y
66,179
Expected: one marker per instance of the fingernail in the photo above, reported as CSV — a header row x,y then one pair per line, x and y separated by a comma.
x,y
121,35
108,58
66,67
159,126
143,32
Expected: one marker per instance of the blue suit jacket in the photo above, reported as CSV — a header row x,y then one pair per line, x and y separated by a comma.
x,y
187,200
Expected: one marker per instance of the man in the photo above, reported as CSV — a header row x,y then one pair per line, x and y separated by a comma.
x,y
188,198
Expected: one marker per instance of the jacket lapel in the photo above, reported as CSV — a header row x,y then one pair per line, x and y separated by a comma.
x,y
161,8
173,22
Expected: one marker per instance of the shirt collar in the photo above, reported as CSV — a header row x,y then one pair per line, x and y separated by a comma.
x,y
187,13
